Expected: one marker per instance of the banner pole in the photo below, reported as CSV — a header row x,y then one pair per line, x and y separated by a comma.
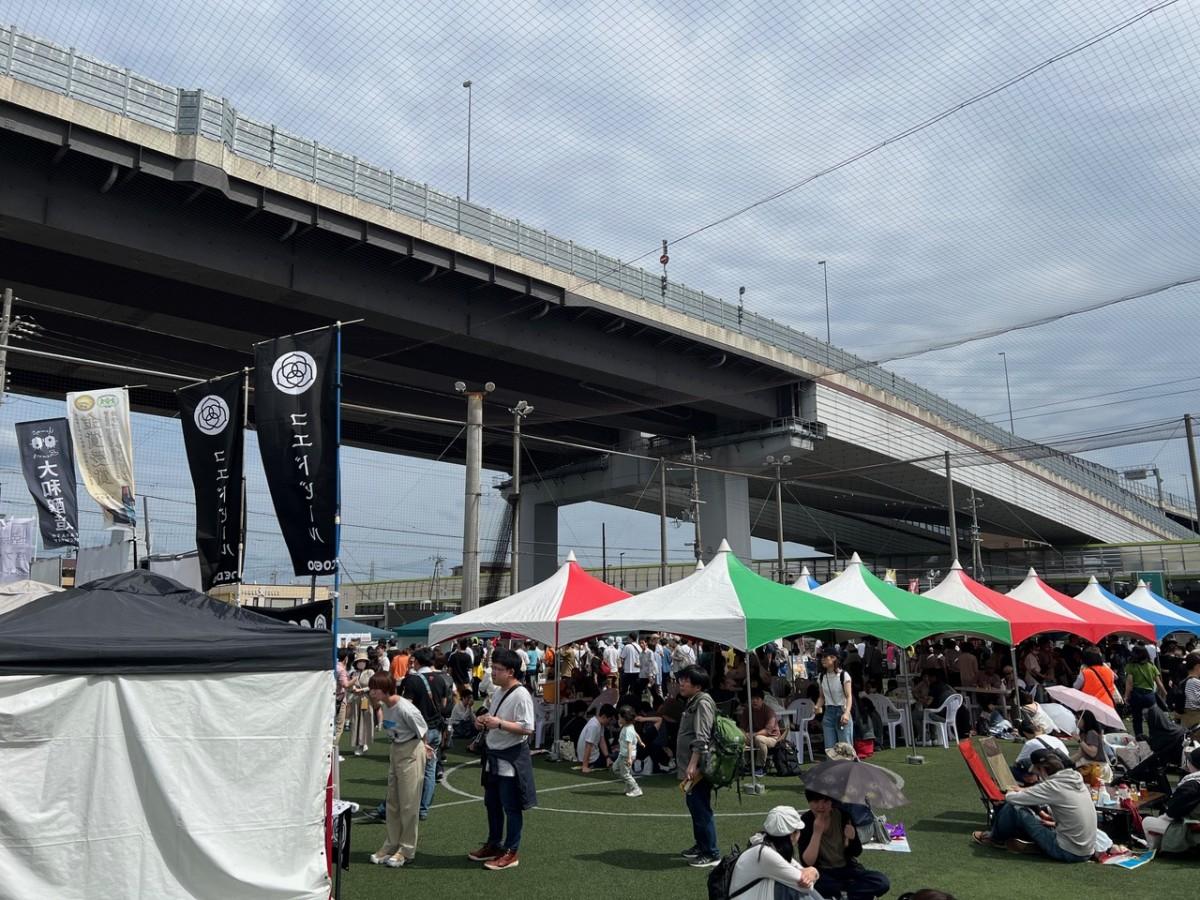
x,y
244,512
337,537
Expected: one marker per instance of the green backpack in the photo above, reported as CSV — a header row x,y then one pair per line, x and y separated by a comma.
x,y
726,752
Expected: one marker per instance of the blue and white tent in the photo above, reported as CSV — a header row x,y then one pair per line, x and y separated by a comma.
x,y
1165,617
805,582
1146,603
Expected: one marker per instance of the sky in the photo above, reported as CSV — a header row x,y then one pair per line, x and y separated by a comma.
x,y
963,167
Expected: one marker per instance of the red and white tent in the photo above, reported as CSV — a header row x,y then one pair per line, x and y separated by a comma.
x,y
535,612
1097,622
961,590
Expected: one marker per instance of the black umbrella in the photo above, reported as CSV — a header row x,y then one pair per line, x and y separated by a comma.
x,y
852,781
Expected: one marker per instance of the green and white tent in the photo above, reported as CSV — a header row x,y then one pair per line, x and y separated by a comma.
x,y
727,603
901,617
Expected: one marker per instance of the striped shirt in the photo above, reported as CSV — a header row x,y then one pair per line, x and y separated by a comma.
x,y
1191,694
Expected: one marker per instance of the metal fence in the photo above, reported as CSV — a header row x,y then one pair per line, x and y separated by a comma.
x,y
46,65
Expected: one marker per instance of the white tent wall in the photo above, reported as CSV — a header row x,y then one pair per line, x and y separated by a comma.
x,y
165,786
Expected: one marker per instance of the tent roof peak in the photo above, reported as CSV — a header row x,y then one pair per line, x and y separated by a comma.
x,y
571,557
724,548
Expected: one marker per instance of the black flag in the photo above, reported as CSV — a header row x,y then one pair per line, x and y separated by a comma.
x,y
211,414
295,397
49,466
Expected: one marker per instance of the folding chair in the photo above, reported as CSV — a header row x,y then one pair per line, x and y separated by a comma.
x,y
805,712
989,792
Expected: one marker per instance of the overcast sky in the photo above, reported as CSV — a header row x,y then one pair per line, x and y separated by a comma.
x,y
619,124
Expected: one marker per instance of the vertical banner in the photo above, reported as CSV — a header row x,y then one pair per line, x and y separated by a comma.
x,y
49,468
16,549
211,415
295,414
104,451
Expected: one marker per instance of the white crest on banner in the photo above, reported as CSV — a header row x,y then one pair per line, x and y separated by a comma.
x,y
212,415
294,372
320,623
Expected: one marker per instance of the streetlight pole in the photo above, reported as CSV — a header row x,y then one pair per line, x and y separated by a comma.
x,y
779,464
520,411
825,271
467,84
1008,391
472,492
621,565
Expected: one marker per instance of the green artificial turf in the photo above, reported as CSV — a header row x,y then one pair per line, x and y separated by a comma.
x,y
588,840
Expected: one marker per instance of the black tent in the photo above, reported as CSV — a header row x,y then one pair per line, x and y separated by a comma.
x,y
140,622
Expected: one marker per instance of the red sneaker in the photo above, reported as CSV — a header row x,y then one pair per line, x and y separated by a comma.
x,y
507,861
485,853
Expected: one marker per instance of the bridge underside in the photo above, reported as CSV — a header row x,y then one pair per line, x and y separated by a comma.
x,y
128,256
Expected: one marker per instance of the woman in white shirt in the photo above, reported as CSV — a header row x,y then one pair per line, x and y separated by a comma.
x,y
835,701
769,868
406,728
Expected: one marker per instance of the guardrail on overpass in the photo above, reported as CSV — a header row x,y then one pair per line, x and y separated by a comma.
x,y
193,112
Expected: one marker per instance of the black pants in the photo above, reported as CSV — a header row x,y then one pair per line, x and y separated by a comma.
x,y
857,882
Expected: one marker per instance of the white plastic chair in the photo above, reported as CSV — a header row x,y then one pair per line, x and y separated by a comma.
x,y
805,712
892,717
943,720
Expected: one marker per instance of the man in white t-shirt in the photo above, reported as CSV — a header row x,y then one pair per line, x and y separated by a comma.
x,y
631,657
592,746
508,788
612,656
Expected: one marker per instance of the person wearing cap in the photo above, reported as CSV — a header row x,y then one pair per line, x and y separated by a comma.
x,y
362,719
830,842
1066,834
770,868
835,700
1184,803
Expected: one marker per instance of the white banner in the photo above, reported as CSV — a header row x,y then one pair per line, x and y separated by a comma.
x,y
103,442
16,548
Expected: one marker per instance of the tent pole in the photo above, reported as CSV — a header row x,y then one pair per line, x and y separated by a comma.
x,y
1016,711
337,535
557,699
913,757
755,787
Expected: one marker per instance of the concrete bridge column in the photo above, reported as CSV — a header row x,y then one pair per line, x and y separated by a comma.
x,y
538,540
725,513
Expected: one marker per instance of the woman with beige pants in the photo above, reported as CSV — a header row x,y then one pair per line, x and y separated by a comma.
x,y
406,727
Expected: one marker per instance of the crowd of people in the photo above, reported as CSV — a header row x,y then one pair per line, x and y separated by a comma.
x,y
642,703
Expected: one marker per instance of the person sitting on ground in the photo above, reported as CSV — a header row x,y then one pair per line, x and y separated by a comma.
x,y
1035,739
830,842
1033,709
592,747
1092,748
462,717
762,730
770,867
1184,803
1067,833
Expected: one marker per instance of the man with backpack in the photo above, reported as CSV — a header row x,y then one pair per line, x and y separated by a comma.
x,y
693,742
431,695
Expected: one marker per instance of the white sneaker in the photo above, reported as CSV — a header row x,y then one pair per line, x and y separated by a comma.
x,y
359,752
636,792
396,860
379,858
341,758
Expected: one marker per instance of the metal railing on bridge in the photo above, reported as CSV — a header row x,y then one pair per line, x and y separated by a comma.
x,y
64,71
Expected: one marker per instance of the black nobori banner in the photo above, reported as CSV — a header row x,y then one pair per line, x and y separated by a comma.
x,y
48,462
295,397
211,415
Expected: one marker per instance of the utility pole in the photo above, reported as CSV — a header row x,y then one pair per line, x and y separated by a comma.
x,y
472,492
603,554
5,330
1191,439
434,583
779,464
146,522
950,511
825,271
976,540
662,521
520,411
695,501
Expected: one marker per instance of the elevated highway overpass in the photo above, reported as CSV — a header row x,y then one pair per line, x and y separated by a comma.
x,y
155,226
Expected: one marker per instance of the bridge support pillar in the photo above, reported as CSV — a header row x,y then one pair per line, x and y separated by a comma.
x,y
538,541
724,513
